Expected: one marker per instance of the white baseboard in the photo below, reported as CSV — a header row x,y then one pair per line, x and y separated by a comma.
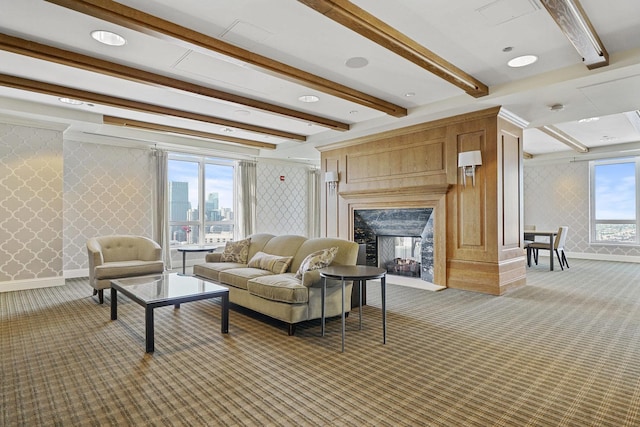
x,y
72,274
21,285
596,257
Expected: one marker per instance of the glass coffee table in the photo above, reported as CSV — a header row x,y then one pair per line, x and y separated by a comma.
x,y
167,289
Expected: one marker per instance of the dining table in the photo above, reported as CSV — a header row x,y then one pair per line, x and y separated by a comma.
x,y
532,234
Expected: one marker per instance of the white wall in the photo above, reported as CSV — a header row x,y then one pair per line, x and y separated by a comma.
x,y
557,194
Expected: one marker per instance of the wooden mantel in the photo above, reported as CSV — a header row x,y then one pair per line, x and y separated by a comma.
x,y
478,235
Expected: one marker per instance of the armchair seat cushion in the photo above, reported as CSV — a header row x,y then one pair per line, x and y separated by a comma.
x,y
119,269
279,287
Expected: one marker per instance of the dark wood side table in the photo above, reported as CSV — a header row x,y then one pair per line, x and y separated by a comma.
x,y
359,274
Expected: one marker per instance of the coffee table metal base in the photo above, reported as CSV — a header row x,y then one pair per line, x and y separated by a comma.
x,y
149,306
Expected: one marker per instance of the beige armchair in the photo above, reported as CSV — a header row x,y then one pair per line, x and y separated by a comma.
x,y
118,256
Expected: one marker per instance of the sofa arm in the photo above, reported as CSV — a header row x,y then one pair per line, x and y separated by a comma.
x,y
213,257
311,278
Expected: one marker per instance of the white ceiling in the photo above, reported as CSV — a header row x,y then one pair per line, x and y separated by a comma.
x,y
471,34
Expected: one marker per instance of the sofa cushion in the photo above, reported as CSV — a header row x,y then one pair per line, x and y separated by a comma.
x,y
279,287
211,270
274,263
116,270
236,251
316,261
238,277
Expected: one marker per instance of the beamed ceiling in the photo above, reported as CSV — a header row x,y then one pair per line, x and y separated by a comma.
x,y
229,76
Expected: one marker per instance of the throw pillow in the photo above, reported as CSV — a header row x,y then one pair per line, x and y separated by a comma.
x,y
273,263
317,260
236,251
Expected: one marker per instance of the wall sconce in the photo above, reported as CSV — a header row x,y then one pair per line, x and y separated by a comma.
x,y
331,178
468,161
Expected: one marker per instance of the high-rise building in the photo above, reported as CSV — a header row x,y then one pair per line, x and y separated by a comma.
x,y
211,211
179,196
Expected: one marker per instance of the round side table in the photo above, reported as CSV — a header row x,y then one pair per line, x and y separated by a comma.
x,y
360,274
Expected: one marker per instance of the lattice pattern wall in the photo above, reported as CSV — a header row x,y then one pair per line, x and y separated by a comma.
x,y
107,190
558,194
281,205
30,203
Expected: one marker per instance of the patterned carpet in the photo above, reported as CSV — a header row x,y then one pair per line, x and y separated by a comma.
x,y
562,351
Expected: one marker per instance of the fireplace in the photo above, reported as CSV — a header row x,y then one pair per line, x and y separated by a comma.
x,y
399,240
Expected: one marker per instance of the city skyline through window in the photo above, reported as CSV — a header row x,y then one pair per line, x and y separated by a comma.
x,y
614,198
201,200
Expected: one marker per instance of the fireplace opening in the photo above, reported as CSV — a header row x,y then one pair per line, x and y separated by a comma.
x,y
399,240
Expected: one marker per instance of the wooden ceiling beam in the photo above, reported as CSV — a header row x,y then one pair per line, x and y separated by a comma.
x,y
565,138
351,16
120,121
112,101
88,63
136,20
575,24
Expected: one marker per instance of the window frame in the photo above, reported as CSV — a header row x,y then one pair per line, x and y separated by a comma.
x,y
593,221
201,223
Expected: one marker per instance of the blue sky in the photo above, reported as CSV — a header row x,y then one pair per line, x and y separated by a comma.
x,y
615,191
218,178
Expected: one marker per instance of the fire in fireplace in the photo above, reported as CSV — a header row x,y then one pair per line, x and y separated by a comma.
x,y
400,240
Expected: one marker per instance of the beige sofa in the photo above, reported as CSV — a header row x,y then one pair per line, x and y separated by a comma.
x,y
281,295
118,256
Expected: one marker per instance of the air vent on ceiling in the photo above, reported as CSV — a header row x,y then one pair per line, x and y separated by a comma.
x,y
501,11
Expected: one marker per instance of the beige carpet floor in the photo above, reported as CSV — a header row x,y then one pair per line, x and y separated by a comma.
x,y
562,351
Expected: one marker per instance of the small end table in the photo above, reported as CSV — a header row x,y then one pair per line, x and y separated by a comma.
x,y
360,274
199,248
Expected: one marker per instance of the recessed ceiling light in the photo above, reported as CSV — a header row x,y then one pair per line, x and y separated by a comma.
x,y
70,101
353,112
522,61
357,62
410,94
108,38
588,120
556,107
227,130
308,98
243,113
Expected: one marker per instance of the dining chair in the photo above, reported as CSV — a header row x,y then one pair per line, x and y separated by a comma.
x,y
558,247
528,239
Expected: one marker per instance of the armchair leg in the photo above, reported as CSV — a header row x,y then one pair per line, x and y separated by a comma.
x,y
100,293
292,329
564,258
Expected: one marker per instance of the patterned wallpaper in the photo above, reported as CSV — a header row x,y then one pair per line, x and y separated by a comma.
x,y
107,190
54,195
558,194
281,205
30,203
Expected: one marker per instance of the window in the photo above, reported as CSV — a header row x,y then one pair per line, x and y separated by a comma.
x,y
614,201
201,200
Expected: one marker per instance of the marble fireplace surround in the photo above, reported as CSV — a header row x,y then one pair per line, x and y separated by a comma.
x,y
429,197
378,230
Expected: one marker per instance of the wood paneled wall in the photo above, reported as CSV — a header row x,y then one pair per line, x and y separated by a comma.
x,y
478,228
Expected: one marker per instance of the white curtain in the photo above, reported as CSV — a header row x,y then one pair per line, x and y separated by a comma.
x,y
161,206
247,181
313,203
